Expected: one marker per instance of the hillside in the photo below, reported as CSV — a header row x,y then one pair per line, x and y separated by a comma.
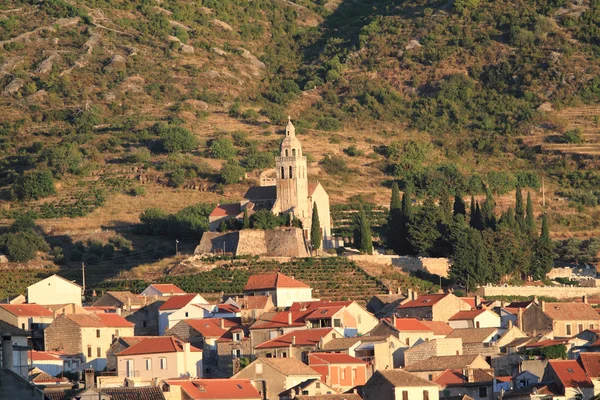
x,y
113,107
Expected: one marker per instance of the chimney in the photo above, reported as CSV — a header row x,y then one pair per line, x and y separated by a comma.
x,y
187,348
585,299
222,323
398,291
543,305
520,318
477,301
535,300
509,324
409,294
293,340
89,378
94,296
128,303
394,320
469,374
119,311
7,351
289,317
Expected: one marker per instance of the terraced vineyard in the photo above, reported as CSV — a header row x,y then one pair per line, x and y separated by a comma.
x,y
331,278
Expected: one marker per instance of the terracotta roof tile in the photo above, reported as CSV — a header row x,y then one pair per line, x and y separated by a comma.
x,y
423,301
114,321
571,311
304,337
455,377
441,363
323,312
27,310
438,327
155,345
177,302
313,305
272,281
226,210
211,327
570,373
218,388
411,324
590,363
289,366
472,335
43,356
279,319
466,315
547,343
333,358
401,378
341,343
254,302
167,288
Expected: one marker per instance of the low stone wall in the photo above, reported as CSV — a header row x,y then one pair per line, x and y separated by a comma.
x,y
283,242
437,266
558,292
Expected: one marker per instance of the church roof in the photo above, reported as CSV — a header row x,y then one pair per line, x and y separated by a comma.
x,y
312,186
226,210
261,193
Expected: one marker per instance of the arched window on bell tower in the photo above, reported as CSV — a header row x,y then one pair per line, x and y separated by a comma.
x,y
293,152
286,152
291,176
282,173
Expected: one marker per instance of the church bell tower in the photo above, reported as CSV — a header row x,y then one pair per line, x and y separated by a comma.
x,y
292,182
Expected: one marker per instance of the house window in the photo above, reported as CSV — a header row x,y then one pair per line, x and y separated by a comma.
x,y
354,373
116,332
305,357
287,152
283,354
187,314
568,329
337,323
144,324
408,341
89,351
23,327
237,337
305,392
523,383
405,395
163,363
359,319
483,392
236,353
98,352
148,364
291,172
477,324
97,332
579,328
344,373
591,326
269,355
318,385
425,394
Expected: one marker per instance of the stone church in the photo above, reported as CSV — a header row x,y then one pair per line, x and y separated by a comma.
x,y
292,193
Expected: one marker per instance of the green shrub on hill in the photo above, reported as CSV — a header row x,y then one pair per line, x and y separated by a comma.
x,y
34,186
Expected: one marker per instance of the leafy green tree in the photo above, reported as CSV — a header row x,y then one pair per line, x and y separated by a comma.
x,y
316,238
469,263
232,172
394,222
424,230
246,220
178,139
62,159
459,205
22,223
264,219
35,185
529,217
362,233
222,148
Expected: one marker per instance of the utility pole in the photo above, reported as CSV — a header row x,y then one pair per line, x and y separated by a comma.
x,y
176,247
83,275
543,194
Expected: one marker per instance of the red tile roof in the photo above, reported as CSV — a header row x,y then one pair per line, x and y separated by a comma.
x,y
177,302
333,358
304,337
424,301
504,378
226,210
228,308
466,315
312,305
155,345
280,319
411,324
570,311
167,288
100,309
470,301
438,327
43,356
323,312
547,343
590,363
254,302
27,310
455,377
272,281
218,388
312,186
211,327
99,320
570,373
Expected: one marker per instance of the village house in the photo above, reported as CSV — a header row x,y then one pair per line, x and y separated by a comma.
x,y
47,361
211,389
54,290
430,367
384,305
482,341
162,290
121,343
479,318
409,330
251,307
29,317
397,384
296,344
381,352
87,335
590,362
18,336
440,329
432,348
278,374
178,308
283,290
339,371
434,307
476,383
563,319
347,315
160,357
570,378
276,323
310,388
231,348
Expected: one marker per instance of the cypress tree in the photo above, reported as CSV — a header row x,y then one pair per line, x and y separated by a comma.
x,y
362,233
510,218
246,220
459,205
529,218
406,217
488,218
394,223
316,238
543,253
472,213
424,230
545,230
477,219
519,209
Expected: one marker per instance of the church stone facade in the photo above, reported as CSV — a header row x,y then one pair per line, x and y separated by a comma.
x,y
292,193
